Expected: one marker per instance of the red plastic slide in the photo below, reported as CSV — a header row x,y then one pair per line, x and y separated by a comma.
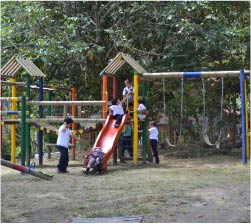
x,y
108,138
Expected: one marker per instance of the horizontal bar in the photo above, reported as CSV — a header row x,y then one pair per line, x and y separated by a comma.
x,y
12,112
23,84
14,99
56,103
67,103
54,120
46,87
8,83
210,74
9,122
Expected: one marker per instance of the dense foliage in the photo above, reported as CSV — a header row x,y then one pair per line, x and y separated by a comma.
x,y
76,39
72,41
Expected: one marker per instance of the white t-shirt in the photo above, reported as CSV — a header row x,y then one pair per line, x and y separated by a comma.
x,y
141,107
64,137
126,90
153,133
117,109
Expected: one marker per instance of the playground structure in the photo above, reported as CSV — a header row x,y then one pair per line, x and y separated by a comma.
x,y
106,133
38,121
243,76
110,71
13,66
179,139
140,72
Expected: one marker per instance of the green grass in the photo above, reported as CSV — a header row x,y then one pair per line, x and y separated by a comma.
x,y
168,192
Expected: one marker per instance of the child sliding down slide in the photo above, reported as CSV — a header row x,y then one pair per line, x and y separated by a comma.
x,y
95,160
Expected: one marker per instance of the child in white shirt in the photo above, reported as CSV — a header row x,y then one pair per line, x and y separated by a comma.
x,y
153,136
64,134
117,111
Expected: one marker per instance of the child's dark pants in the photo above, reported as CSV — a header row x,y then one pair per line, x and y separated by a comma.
x,y
154,144
126,144
64,158
118,118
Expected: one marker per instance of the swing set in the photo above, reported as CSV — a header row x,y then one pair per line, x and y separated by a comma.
x,y
243,77
205,136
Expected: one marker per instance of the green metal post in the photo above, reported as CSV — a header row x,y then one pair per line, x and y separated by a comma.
x,y
28,138
23,131
144,139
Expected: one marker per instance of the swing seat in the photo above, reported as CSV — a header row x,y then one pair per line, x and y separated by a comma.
x,y
180,140
169,143
207,141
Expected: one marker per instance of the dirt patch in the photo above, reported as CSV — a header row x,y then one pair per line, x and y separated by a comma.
x,y
215,188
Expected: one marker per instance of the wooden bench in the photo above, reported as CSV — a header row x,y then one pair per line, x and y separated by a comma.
x,y
124,219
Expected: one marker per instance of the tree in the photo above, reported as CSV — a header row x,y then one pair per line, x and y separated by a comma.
x,y
75,40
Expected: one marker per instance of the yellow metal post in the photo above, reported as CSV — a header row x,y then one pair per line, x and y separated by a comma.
x,y
13,126
246,114
135,120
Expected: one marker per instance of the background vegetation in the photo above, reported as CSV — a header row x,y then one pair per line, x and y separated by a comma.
x,y
72,41
75,40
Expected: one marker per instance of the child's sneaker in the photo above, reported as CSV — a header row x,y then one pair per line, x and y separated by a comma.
x,y
97,174
85,173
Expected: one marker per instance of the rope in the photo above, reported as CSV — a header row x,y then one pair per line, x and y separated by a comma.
x,y
181,104
180,138
164,96
222,99
221,112
204,107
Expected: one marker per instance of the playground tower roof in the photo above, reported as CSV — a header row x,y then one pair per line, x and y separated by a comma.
x,y
15,64
119,61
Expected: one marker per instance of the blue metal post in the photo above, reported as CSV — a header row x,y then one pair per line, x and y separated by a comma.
x,y
243,118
